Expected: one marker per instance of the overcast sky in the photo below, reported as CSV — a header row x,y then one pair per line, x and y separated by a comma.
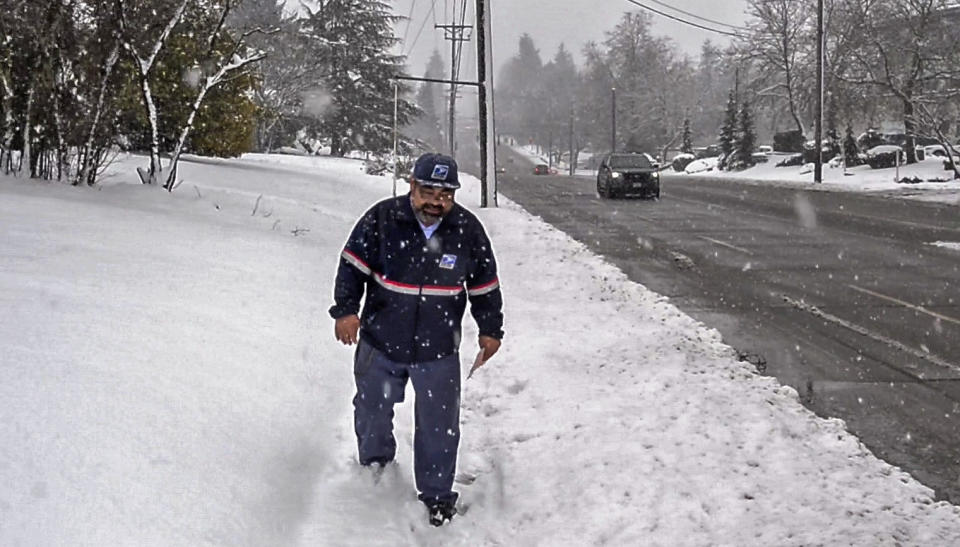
x,y
550,22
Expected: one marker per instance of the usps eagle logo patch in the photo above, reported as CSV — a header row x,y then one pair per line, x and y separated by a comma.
x,y
447,262
440,172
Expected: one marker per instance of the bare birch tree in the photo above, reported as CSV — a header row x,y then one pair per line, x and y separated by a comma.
x,y
235,58
144,59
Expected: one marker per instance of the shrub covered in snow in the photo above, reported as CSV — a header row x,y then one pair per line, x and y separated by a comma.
x,y
701,165
681,161
791,161
885,156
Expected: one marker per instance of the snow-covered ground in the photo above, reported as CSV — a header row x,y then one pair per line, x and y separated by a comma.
x,y
855,179
169,376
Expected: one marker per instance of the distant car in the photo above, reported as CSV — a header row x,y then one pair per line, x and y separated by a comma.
x,y
541,169
937,151
628,174
765,149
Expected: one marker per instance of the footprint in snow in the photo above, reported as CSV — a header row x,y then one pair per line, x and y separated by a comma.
x,y
516,387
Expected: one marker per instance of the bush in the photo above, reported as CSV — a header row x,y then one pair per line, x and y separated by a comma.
x,y
681,161
885,158
788,141
791,161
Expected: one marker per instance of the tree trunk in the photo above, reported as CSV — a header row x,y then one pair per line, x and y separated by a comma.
x,y
228,65
184,133
60,153
87,168
910,127
6,100
144,65
270,134
156,169
335,148
25,154
951,152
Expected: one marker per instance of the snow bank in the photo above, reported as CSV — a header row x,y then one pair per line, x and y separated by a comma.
x,y
702,165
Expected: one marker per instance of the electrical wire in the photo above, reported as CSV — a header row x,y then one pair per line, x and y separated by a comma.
x,y
463,18
684,21
695,16
413,4
433,5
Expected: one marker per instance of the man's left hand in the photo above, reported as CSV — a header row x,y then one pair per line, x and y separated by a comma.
x,y
490,346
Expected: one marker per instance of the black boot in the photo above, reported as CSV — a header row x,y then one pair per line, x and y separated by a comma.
x,y
441,512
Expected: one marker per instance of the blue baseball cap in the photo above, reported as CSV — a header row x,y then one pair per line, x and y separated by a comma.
x,y
433,169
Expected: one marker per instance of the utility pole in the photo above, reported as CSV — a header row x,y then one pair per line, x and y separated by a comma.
x,y
818,165
488,131
456,34
396,110
550,148
736,84
573,162
613,120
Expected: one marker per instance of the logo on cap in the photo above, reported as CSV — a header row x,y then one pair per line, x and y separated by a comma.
x,y
440,172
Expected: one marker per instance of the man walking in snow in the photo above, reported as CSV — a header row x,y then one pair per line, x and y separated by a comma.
x,y
416,260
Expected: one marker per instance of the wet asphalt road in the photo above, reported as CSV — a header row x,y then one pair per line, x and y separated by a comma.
x,y
839,295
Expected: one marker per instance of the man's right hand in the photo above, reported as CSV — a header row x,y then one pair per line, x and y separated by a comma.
x,y
347,328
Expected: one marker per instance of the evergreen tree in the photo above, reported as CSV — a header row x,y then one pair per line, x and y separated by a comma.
x,y
355,39
520,91
559,83
745,140
686,146
429,124
291,69
728,130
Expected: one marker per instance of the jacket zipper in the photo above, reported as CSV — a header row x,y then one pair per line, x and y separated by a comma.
x,y
416,313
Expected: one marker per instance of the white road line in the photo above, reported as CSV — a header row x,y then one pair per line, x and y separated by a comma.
x,y
727,245
900,222
906,304
813,310
838,212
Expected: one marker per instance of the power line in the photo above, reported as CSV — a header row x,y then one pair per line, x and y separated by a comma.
x,y
684,21
413,4
433,5
463,17
695,16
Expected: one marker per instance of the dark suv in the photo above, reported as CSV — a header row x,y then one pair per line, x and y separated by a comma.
x,y
628,174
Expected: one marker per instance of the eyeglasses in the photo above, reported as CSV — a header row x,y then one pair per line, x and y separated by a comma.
x,y
430,193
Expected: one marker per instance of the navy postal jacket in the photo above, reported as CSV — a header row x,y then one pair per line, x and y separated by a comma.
x,y
417,289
